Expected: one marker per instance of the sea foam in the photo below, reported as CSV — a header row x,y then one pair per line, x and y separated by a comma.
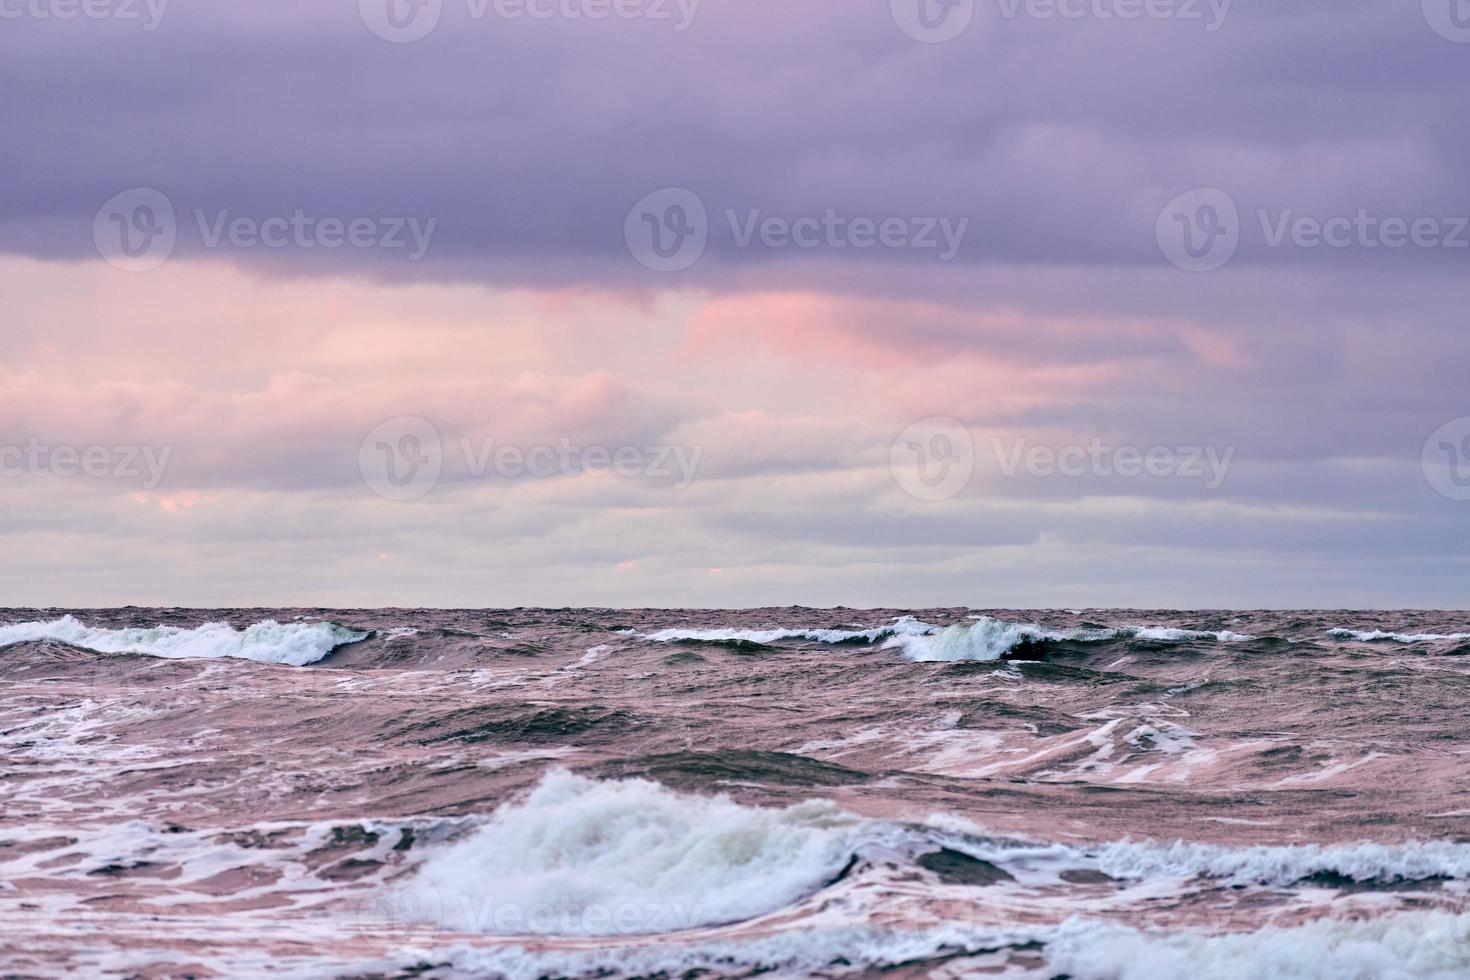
x,y
1378,636
1286,864
581,857
1260,864
903,626
291,644
1407,946
988,638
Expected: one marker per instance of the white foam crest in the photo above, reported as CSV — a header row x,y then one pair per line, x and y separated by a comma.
x,y
1285,865
292,644
1173,635
1404,946
1375,636
827,951
1408,946
903,626
582,857
1269,865
988,638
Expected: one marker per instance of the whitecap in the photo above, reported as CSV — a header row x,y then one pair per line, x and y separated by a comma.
x,y
903,626
582,857
1407,946
292,644
1285,865
1376,636
988,638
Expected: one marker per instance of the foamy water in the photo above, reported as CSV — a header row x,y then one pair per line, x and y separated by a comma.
x,y
788,792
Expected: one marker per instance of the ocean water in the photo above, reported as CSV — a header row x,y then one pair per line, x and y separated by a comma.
x,y
777,792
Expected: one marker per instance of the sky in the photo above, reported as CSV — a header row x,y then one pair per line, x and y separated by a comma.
x,y
490,303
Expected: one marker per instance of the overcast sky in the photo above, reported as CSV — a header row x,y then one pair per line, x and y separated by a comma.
x,y
1020,303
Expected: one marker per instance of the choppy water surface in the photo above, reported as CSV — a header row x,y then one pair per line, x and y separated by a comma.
x,y
787,792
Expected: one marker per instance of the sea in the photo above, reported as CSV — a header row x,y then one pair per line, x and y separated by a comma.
x,y
778,792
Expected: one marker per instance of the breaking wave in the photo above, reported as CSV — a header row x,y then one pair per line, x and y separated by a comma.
x,y
1287,865
582,857
1379,636
1418,945
903,626
1263,865
632,857
988,638
291,644
1424,946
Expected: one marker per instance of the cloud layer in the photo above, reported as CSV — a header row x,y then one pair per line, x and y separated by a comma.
x,y
802,324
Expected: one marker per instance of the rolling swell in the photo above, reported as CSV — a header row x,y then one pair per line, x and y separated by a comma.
x,y
977,637
289,644
705,770
513,724
428,649
1152,770
989,638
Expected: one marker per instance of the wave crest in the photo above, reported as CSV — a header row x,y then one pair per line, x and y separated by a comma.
x,y
290,644
1380,636
988,638
903,626
582,857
